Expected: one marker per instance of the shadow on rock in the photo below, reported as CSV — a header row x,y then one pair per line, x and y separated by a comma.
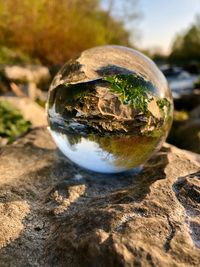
x,y
88,227
72,217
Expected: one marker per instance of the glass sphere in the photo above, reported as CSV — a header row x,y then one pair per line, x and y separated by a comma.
x,y
109,109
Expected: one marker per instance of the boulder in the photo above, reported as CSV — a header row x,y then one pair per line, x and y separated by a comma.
x,y
187,136
28,73
188,102
185,131
195,113
25,80
53,213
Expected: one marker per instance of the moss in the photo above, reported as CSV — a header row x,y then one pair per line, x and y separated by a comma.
x,y
133,90
12,123
163,103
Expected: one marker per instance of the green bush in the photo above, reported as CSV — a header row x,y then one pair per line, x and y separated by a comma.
x,y
54,31
12,123
186,45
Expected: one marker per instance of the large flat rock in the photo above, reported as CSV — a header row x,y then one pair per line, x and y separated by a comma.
x,y
52,213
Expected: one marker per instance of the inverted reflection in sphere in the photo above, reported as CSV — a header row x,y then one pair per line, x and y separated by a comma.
x,y
109,109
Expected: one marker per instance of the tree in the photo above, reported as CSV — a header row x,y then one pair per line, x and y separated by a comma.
x,y
54,31
186,45
124,11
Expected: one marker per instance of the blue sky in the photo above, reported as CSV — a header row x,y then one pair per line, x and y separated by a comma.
x,y
162,19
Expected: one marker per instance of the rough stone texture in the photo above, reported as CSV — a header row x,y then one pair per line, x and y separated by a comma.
x,y
55,214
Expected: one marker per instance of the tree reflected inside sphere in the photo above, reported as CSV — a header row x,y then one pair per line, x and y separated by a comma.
x,y
109,109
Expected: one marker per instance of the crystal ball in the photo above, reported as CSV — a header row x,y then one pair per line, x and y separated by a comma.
x,y
110,109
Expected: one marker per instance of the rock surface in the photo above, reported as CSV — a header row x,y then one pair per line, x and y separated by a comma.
x,y
25,80
28,73
55,214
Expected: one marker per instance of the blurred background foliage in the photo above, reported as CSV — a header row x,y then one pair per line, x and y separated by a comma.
x,y
43,31
186,46
12,123
51,33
